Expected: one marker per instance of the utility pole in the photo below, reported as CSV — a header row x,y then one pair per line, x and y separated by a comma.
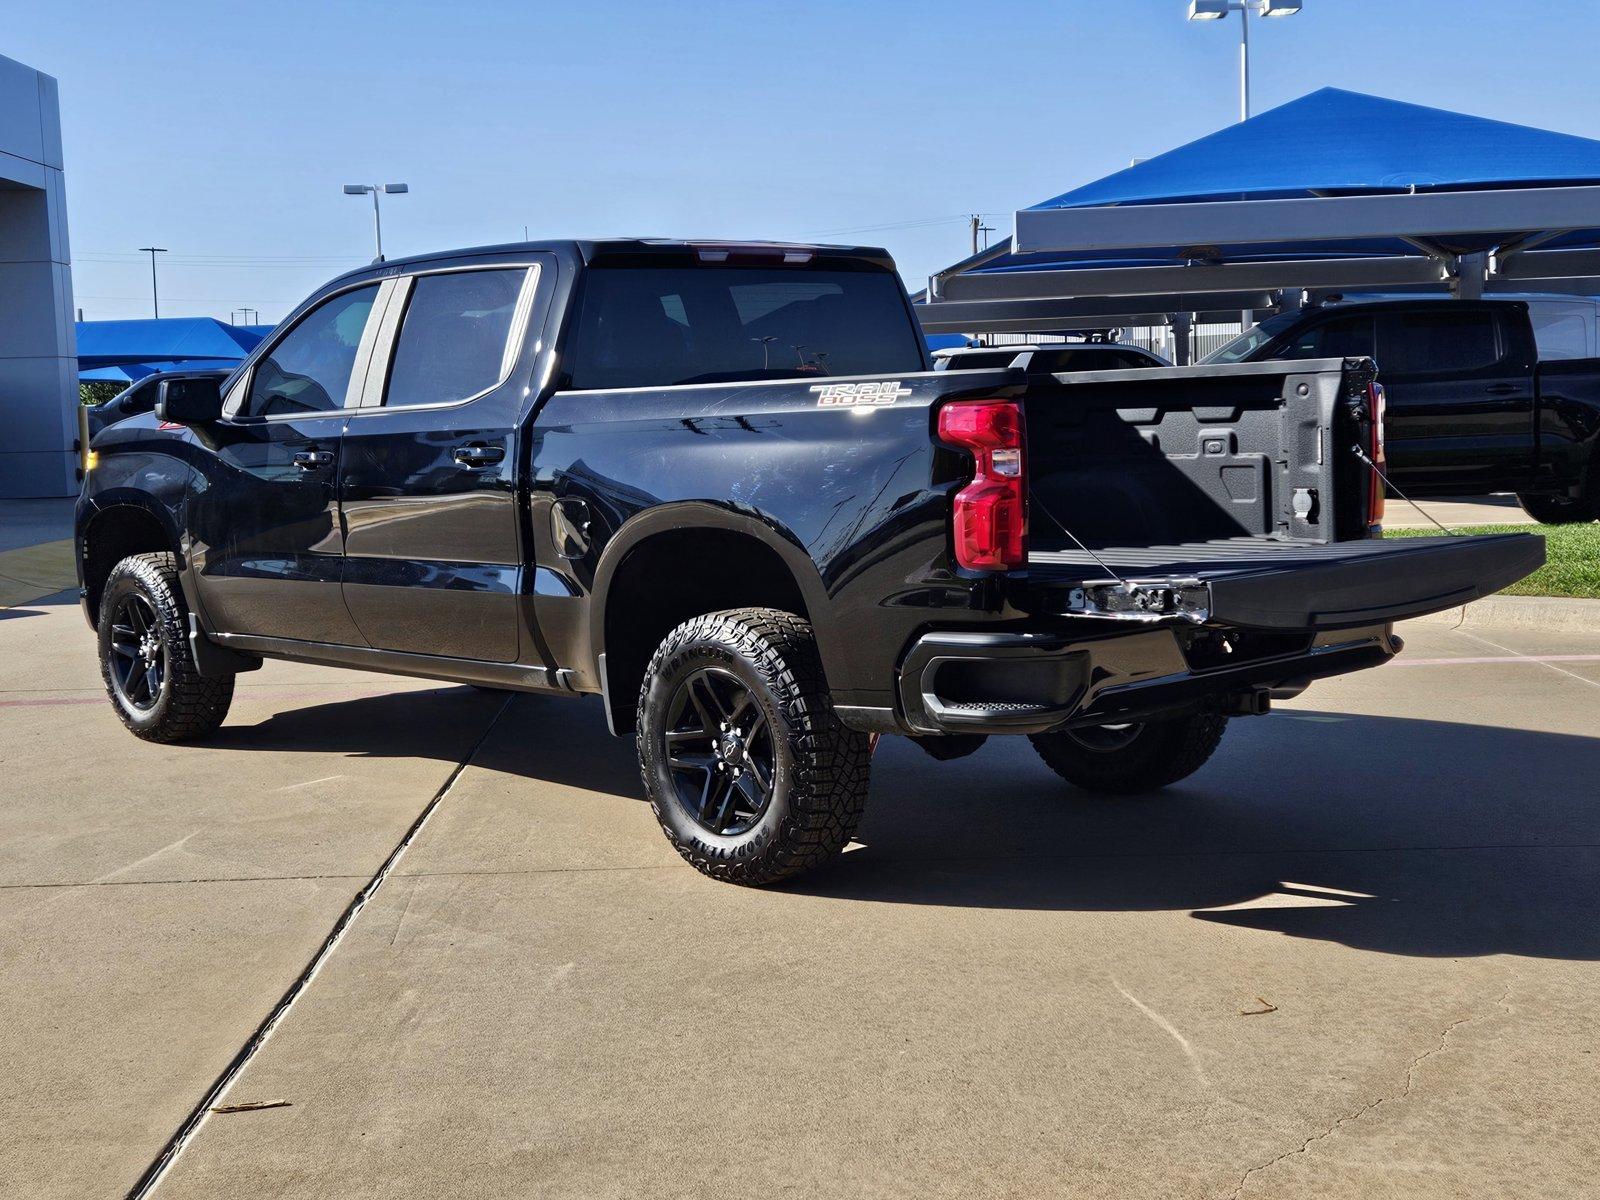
x,y
155,297
977,224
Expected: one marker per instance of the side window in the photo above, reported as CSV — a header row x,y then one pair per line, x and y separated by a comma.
x,y
309,370
1434,342
1559,333
455,337
137,400
1338,337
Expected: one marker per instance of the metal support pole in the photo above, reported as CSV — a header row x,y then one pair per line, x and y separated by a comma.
x,y
1182,331
1244,62
377,223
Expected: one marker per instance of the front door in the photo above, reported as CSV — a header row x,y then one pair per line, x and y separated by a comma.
x,y
265,520
433,559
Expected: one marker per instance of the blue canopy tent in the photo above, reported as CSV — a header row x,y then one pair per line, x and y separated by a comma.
x,y
1336,190
133,349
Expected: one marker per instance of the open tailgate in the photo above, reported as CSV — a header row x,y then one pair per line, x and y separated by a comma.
x,y
1277,584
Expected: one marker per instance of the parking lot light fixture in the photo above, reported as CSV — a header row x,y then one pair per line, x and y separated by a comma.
x,y
362,189
1215,10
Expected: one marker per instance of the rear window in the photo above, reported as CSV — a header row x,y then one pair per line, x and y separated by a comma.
x,y
657,326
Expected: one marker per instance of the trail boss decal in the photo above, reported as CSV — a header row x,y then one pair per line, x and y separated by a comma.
x,y
879,394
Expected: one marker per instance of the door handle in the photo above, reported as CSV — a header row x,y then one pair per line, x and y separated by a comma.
x,y
310,460
478,455
1502,389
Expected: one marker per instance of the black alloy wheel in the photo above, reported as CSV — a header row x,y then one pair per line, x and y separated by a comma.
x,y
150,673
1105,739
718,745
138,662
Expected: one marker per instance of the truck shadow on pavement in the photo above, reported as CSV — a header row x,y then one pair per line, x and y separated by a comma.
x,y
1402,836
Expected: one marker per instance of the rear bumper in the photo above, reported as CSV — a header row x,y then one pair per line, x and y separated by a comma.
x,y
995,683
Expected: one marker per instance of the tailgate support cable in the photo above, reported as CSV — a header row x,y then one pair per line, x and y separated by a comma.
x,y
1387,482
1061,525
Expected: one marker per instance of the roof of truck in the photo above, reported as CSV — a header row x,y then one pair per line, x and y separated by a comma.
x,y
590,248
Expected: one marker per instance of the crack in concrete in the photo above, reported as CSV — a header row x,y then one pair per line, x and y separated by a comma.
x,y
1348,1118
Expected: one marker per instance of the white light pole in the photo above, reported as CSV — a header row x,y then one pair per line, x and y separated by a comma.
x,y
361,189
1215,10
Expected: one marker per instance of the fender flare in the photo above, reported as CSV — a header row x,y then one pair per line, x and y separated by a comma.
x,y
703,514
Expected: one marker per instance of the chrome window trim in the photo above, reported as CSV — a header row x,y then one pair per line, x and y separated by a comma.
x,y
377,396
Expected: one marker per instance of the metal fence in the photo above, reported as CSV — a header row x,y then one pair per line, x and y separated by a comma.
x,y
1155,338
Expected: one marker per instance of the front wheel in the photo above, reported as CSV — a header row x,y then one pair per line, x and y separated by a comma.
x,y
748,769
150,676
1137,757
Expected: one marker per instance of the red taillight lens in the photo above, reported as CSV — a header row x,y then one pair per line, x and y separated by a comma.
x,y
1375,409
991,512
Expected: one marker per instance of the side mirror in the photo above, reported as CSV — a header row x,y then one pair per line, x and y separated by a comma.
x,y
190,400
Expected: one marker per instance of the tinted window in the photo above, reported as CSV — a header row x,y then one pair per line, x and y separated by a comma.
x,y
140,398
1086,358
1437,342
453,339
309,370
651,326
1560,333
1339,337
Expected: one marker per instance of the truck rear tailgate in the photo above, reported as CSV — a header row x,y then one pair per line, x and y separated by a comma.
x,y
1267,583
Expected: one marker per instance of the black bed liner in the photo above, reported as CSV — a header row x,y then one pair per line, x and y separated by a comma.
x,y
1285,584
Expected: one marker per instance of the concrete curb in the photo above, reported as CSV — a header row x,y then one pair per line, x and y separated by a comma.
x,y
1548,614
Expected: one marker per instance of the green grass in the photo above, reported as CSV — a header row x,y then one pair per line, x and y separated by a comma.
x,y
1572,558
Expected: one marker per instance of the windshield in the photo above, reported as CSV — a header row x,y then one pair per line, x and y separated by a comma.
x,y
658,326
1251,340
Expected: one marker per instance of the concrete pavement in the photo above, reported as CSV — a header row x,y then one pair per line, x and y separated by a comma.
x,y
1005,988
1473,510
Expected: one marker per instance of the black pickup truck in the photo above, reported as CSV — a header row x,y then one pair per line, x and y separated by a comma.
x,y
1475,403
718,486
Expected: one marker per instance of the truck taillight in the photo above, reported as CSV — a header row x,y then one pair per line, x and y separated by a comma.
x,y
991,512
1375,417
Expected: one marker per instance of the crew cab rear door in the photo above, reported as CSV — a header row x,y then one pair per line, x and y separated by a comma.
x,y
427,487
1458,376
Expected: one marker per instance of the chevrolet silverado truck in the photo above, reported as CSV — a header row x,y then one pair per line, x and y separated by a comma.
x,y
1483,395
718,486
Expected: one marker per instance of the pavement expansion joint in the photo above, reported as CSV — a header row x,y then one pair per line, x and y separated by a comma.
x,y
191,1125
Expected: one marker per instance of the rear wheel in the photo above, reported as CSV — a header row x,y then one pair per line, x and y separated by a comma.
x,y
751,774
149,674
1134,757
1560,510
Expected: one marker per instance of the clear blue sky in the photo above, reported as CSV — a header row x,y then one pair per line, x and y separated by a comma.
x,y
224,131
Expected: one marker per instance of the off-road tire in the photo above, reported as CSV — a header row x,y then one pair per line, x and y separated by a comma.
x,y
188,706
1158,754
821,768
1560,510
